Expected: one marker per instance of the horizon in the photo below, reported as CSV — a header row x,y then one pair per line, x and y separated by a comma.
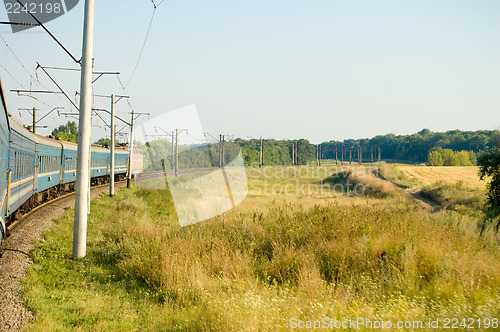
x,y
329,70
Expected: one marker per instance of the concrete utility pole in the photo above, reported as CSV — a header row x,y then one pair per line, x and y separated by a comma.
x,y
84,135
131,150
173,152
342,162
336,155
371,153
261,156
379,154
34,120
350,156
112,150
296,153
222,150
176,150
319,160
317,155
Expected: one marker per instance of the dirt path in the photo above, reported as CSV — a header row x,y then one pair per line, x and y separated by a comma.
x,y
416,194
15,259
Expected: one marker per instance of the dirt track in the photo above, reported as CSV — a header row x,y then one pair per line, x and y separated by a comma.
x,y
15,259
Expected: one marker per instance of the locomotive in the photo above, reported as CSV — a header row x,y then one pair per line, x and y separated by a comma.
x,y
35,169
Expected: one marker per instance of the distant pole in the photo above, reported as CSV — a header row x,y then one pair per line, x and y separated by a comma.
x,y
173,152
176,150
342,163
296,152
379,154
112,150
34,120
261,156
84,134
336,155
293,153
320,156
371,154
131,150
350,156
317,155
222,151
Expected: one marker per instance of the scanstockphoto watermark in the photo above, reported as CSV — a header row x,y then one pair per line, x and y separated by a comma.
x,y
205,177
25,14
366,323
335,180
312,189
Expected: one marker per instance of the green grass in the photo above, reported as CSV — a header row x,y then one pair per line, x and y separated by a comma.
x,y
456,196
398,177
258,268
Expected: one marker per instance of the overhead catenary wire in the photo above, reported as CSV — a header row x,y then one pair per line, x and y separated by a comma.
x,y
50,34
155,6
27,71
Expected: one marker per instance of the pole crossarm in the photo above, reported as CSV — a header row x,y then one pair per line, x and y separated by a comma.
x,y
104,110
60,89
99,73
19,91
20,23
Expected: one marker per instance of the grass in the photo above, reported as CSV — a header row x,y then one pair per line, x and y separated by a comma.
x,y
456,196
394,174
275,257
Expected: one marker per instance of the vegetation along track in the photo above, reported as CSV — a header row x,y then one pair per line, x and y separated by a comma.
x,y
15,255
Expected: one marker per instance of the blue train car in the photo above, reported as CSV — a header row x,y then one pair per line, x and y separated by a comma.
x,y
99,165
21,166
69,164
121,161
48,164
4,157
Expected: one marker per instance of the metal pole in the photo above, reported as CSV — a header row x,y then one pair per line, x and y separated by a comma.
x,y
84,133
222,151
261,156
320,156
34,120
112,150
176,150
173,152
131,150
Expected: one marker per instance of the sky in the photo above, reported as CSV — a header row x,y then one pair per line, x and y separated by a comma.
x,y
318,69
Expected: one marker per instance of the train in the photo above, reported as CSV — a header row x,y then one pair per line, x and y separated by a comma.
x,y
35,169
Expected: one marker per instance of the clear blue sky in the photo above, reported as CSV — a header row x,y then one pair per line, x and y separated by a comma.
x,y
286,68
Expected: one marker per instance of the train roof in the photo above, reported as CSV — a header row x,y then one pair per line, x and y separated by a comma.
x,y
17,126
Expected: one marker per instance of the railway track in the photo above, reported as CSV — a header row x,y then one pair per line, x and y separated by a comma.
x,y
13,225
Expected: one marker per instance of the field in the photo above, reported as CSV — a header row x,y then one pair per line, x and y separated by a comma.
x,y
307,244
451,174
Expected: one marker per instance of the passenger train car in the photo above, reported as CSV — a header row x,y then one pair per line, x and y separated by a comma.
x,y
35,169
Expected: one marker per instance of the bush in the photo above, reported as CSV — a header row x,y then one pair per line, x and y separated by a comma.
x,y
447,157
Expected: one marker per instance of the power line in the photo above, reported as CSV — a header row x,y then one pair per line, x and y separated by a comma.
x,y
50,34
144,44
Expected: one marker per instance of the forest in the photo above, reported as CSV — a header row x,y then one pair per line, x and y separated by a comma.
x,y
412,149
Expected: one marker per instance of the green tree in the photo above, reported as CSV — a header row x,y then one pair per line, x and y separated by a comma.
x,y
435,159
103,141
463,158
489,166
67,132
